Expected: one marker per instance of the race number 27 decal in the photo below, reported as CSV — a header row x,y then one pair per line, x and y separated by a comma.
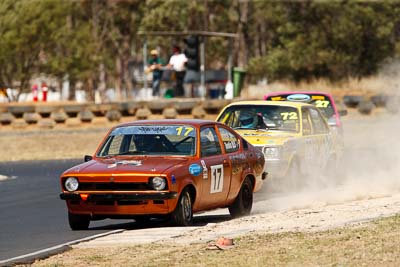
x,y
217,178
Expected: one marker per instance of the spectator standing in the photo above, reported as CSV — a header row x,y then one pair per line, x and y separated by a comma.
x,y
178,63
155,65
35,92
45,89
3,92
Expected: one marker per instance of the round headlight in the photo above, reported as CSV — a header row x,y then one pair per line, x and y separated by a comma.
x,y
71,184
271,152
158,183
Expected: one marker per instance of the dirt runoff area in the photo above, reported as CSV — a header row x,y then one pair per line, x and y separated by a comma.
x,y
353,220
321,235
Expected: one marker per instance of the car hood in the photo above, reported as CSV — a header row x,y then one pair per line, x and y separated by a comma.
x,y
135,165
260,138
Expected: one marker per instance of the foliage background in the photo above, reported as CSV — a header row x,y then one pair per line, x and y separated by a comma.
x,y
96,42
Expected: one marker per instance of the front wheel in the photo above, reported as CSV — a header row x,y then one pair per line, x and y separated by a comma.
x,y
183,214
78,222
244,200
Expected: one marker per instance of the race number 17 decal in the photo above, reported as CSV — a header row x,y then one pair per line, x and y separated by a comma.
x,y
217,178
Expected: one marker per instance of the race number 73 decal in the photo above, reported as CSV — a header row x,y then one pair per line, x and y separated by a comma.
x,y
217,178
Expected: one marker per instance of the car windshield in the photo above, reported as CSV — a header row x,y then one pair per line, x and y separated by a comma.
x,y
261,117
175,140
322,102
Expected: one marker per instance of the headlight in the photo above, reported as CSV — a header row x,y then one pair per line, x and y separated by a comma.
x,y
158,183
271,152
71,184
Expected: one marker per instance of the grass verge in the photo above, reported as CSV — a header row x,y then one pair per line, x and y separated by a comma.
x,y
368,244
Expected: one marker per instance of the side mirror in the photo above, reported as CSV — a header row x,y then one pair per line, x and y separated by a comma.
x,y
87,158
343,112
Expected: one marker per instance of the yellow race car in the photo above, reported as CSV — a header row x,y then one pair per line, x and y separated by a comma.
x,y
294,137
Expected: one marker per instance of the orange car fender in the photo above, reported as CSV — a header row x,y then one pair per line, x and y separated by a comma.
x,y
234,191
183,182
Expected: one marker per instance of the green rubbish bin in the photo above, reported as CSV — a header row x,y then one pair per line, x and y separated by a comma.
x,y
238,79
169,93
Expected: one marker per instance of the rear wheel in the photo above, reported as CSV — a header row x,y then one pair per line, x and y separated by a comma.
x,y
78,222
183,214
244,200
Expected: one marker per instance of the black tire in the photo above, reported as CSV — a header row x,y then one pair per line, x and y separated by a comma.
x,y
183,214
244,200
365,107
78,222
352,101
379,100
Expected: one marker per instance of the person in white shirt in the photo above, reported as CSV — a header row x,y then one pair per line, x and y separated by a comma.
x,y
178,63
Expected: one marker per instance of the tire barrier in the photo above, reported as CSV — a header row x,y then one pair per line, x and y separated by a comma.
x,y
59,116
73,110
198,112
18,110
31,117
143,113
86,116
365,107
379,100
113,115
352,101
19,124
48,115
46,123
6,118
45,111
170,113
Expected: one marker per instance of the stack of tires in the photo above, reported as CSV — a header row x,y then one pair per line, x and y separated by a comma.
x,y
365,105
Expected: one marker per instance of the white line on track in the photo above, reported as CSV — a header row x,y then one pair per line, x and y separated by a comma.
x,y
5,177
44,253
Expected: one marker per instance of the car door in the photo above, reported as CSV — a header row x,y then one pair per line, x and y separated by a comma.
x,y
307,141
321,139
216,169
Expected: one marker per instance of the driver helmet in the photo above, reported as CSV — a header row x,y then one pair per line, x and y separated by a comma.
x,y
248,119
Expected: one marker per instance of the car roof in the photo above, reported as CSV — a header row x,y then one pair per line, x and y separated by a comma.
x,y
271,103
297,92
192,122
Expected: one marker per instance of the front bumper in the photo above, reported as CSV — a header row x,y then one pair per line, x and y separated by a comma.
x,y
276,168
119,196
120,204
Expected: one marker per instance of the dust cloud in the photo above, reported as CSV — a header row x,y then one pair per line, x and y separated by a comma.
x,y
370,169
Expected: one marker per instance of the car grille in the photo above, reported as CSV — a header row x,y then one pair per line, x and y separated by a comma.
x,y
114,187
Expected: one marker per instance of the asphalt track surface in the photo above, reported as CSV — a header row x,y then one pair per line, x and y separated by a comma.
x,y
32,217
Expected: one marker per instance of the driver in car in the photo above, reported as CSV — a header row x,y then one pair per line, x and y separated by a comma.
x,y
252,120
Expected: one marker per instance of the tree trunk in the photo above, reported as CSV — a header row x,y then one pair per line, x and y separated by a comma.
x,y
72,90
243,8
102,82
118,75
263,40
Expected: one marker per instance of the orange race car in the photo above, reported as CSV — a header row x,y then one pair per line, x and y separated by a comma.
x,y
167,168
